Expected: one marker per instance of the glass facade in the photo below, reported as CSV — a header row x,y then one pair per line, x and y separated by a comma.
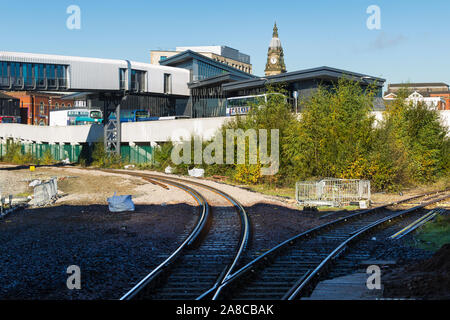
x,y
206,70
19,75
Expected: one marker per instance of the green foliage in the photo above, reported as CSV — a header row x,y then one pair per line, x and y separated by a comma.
x,y
277,114
335,136
47,158
417,135
248,173
335,131
162,155
14,154
104,160
433,235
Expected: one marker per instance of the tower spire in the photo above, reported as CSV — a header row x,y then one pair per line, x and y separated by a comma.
x,y
275,56
275,31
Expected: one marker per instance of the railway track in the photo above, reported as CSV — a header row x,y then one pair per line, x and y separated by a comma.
x,y
208,255
292,269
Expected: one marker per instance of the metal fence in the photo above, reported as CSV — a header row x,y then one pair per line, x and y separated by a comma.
x,y
45,192
332,192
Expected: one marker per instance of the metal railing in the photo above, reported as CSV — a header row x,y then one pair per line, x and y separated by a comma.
x,y
332,192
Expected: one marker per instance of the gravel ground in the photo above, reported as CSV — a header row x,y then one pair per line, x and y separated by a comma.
x,y
113,250
272,224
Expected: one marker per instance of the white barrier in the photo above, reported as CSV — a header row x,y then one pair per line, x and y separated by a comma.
x,y
45,192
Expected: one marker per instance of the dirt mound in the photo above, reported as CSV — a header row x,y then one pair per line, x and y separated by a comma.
x,y
440,261
429,279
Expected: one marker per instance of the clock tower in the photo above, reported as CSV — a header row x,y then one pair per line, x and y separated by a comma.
x,y
275,56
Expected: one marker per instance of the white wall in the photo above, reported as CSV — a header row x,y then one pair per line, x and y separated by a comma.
x,y
148,131
68,134
167,130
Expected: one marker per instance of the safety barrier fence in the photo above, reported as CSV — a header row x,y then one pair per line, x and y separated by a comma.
x,y
46,192
332,192
137,154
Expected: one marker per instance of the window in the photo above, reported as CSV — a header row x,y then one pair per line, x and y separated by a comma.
x,y
56,105
30,75
41,108
138,80
167,83
122,78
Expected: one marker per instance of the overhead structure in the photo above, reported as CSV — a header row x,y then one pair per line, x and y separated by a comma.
x,y
110,80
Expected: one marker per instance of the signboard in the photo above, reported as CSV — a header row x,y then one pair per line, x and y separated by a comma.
x,y
237,111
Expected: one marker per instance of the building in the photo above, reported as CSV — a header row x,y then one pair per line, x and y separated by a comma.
x,y
35,107
223,54
435,102
275,56
206,77
435,94
42,72
9,106
302,84
160,89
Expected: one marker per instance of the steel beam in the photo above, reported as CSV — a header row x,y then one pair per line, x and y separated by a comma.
x,y
111,121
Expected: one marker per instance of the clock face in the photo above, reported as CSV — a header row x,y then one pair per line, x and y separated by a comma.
x,y
273,60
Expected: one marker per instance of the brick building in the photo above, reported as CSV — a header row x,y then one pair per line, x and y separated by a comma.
x,y
427,91
35,107
9,106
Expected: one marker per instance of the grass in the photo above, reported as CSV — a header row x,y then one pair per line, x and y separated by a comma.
x,y
433,235
348,208
274,191
24,194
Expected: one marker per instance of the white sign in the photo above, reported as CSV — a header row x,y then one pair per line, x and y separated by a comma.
x,y
237,110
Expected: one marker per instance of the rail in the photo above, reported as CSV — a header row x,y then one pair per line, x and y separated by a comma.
x,y
243,238
300,286
304,235
191,238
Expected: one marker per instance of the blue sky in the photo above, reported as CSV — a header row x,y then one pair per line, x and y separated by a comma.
x,y
412,45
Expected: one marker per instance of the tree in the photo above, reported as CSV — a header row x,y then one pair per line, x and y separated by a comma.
x,y
335,130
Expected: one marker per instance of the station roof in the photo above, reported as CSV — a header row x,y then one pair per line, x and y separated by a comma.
x,y
223,78
322,73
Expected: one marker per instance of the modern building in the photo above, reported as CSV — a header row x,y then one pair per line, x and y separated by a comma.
x,y
434,94
41,72
206,77
275,56
35,107
161,89
223,54
302,84
9,107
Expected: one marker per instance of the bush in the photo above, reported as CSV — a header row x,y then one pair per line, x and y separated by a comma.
x,y
335,131
14,154
104,160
